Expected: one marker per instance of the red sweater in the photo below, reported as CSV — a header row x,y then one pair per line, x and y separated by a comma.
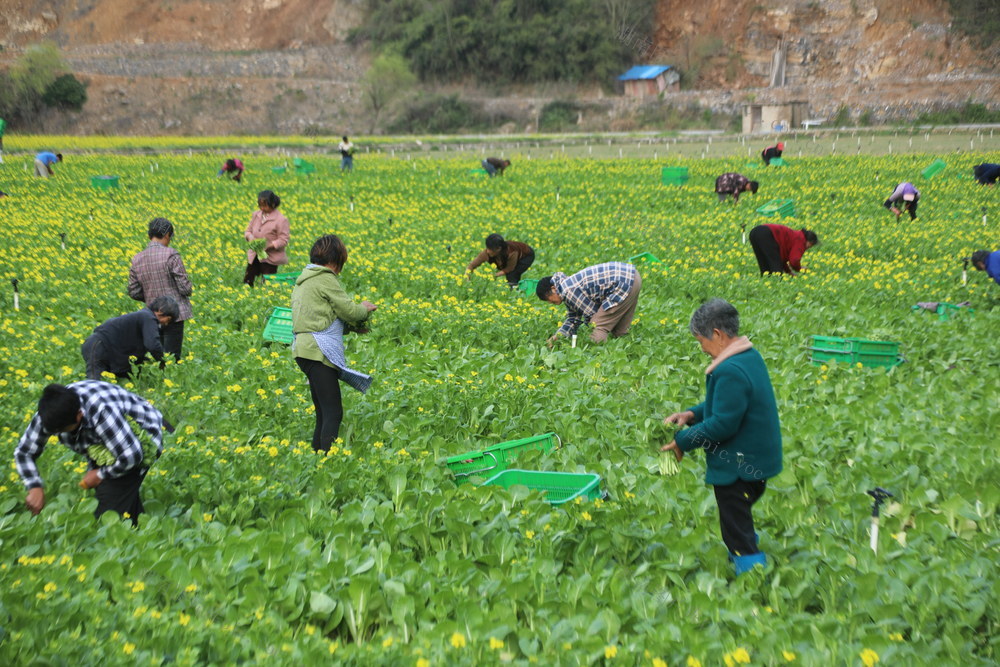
x,y
791,243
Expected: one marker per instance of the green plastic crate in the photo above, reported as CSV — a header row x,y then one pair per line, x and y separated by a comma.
x,y
473,463
644,257
778,162
279,170
303,167
478,172
854,351
946,310
496,458
282,278
933,168
783,207
674,176
104,182
527,286
558,487
506,452
279,326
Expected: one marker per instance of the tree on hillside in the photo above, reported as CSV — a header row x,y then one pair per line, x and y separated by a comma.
x,y
38,78
387,78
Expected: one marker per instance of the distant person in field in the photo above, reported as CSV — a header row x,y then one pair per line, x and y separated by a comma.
x,y
904,195
733,184
987,261
3,128
84,414
604,295
44,162
109,348
987,173
511,258
269,224
737,425
779,249
322,312
233,168
494,166
772,152
159,271
346,149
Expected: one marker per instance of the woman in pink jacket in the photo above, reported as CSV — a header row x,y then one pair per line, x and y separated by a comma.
x,y
266,223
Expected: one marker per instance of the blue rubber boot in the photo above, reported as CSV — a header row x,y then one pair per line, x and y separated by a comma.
x,y
756,542
747,563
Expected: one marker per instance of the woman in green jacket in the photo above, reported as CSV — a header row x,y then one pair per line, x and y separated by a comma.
x,y
321,311
737,426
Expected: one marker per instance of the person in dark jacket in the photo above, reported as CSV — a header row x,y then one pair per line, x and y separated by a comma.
x,y
772,152
734,184
908,195
131,335
779,249
737,426
987,261
511,258
494,165
986,173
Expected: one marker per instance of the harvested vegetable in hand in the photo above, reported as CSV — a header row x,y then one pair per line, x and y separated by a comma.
x,y
103,456
668,464
258,245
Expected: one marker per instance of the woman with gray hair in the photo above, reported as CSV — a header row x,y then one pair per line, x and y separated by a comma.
x,y
159,271
737,426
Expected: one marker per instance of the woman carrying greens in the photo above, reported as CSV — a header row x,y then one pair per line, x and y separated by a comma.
x,y
321,313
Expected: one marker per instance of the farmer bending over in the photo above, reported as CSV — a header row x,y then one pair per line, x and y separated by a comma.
x,y
605,295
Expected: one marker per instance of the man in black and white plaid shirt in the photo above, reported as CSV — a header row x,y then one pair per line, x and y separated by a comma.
x,y
92,413
604,294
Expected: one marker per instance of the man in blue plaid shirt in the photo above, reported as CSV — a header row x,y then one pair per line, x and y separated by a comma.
x,y
90,413
605,295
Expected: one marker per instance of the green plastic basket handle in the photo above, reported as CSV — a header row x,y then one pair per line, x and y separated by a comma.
x,y
474,472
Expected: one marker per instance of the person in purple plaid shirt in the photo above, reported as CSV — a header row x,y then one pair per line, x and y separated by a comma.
x,y
90,413
159,271
605,295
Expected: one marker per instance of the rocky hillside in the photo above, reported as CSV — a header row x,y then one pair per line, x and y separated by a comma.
x,y
280,66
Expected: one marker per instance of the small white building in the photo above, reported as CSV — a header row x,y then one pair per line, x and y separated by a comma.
x,y
765,118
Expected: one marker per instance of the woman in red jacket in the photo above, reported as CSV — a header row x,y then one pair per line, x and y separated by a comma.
x,y
779,249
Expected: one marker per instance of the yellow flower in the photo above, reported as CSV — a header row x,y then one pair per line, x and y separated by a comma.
x,y
586,516
693,661
530,534
128,648
458,640
788,656
191,589
495,643
387,642
896,636
207,517
728,659
741,656
423,662
610,652
184,619
333,647
137,586
869,657
50,587
659,662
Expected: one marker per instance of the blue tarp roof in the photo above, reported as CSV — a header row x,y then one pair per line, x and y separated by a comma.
x,y
644,72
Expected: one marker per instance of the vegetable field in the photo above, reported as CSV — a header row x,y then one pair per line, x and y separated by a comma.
x,y
256,550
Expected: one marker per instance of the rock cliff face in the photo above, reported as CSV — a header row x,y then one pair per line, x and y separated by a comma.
x,y
281,66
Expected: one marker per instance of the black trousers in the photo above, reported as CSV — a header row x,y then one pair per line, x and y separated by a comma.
x,y
908,206
121,495
96,358
766,249
172,337
735,519
258,268
324,385
514,277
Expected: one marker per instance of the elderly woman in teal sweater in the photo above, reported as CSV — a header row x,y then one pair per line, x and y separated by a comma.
x,y
737,426
321,313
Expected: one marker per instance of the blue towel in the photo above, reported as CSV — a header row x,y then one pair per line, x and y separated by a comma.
x,y
331,344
